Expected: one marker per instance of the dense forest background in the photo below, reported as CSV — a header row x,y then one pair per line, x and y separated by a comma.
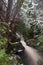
x,y
24,17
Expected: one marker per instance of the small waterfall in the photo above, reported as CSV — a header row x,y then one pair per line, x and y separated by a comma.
x,y
31,53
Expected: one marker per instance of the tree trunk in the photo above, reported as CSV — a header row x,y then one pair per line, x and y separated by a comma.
x,y
8,11
16,15
0,9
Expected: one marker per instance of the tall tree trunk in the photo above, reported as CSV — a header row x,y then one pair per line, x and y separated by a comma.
x,y
0,9
12,23
18,6
8,11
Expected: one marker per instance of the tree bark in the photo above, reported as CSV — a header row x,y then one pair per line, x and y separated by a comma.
x,y
18,6
16,15
0,9
8,11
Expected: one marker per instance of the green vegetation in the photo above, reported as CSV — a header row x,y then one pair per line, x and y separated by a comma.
x,y
40,62
40,38
3,40
10,23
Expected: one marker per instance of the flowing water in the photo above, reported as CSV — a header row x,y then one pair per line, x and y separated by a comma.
x,y
32,55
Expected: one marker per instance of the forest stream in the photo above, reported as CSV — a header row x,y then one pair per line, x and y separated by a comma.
x,y
30,55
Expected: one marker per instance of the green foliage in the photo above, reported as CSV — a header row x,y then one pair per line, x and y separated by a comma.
x,y
3,40
27,33
2,53
8,59
33,16
3,27
4,58
30,4
40,38
40,62
40,48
